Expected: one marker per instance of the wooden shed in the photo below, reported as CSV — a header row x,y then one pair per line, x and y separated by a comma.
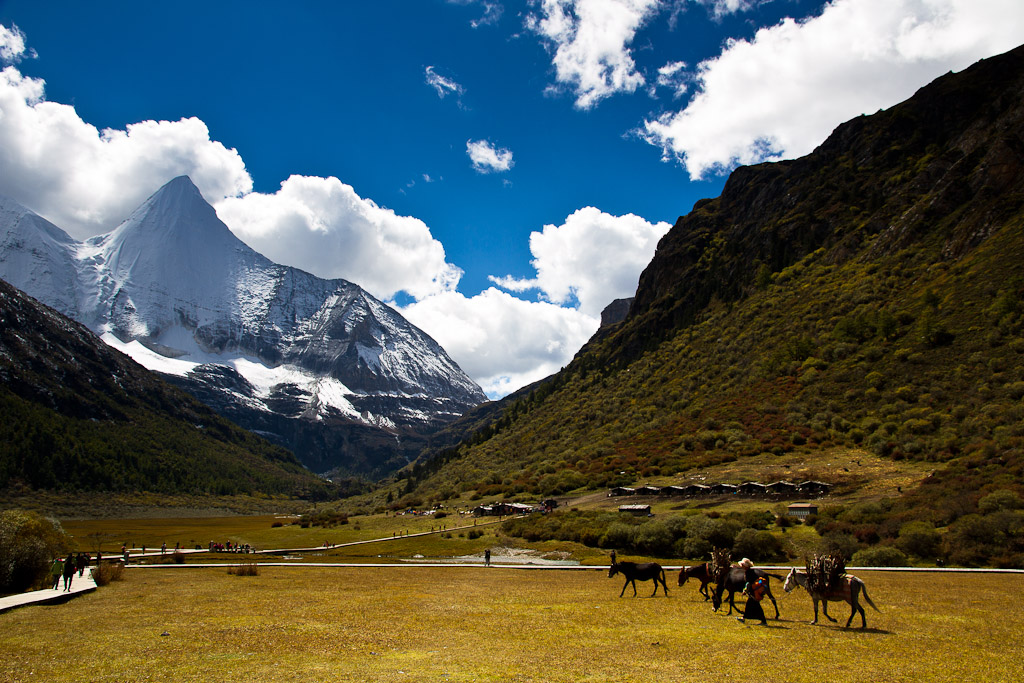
x,y
636,510
801,510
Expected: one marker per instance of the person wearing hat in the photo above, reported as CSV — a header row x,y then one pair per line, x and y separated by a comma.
x,y
754,590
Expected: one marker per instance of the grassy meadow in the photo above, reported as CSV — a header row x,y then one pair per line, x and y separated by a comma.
x,y
474,624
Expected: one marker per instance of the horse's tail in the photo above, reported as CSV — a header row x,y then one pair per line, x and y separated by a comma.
x,y
663,583
864,592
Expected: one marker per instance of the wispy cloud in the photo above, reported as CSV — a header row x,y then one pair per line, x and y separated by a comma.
x,y
442,86
492,11
12,45
486,158
780,94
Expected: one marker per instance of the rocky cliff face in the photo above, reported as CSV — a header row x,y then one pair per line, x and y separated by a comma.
x,y
176,290
953,153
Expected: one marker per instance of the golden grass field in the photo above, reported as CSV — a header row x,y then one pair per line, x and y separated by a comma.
x,y
474,624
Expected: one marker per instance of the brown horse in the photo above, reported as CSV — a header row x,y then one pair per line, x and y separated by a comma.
x,y
699,572
850,591
645,571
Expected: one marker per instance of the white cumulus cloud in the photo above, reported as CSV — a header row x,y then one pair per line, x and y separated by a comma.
x,y
500,341
323,226
87,180
780,94
486,158
592,258
591,42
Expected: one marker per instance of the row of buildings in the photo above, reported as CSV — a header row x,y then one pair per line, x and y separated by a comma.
x,y
752,489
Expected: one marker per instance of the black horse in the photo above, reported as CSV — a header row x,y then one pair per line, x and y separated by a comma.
x,y
645,571
699,572
734,582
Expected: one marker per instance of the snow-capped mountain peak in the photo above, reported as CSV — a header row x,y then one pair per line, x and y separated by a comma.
x,y
173,287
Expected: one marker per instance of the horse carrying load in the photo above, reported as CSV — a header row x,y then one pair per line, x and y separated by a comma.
x,y
826,579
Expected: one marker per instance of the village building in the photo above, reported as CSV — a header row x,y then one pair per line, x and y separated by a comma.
x,y
673,490
813,488
781,489
801,510
636,510
751,488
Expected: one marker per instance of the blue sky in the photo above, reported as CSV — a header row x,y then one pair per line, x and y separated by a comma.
x,y
498,170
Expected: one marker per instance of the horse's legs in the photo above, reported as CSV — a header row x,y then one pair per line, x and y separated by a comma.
x,y
624,588
775,604
815,601
704,590
824,609
732,605
853,610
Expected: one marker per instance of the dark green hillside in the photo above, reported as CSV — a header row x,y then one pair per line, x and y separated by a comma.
x,y
77,416
868,296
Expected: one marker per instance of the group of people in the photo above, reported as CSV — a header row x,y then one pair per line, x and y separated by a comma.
x,y
65,568
230,547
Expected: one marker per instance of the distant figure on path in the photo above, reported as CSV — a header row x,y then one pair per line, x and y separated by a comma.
x,y
754,590
69,572
487,557
81,562
56,571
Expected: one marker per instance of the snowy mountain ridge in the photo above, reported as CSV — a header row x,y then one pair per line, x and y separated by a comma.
x,y
176,290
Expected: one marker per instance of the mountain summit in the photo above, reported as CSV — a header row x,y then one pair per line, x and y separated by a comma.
x,y
176,290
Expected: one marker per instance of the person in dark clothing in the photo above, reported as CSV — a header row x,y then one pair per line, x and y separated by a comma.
x,y
69,571
754,590
81,562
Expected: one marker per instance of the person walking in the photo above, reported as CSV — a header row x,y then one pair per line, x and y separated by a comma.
x,y
754,589
56,571
487,557
69,572
81,562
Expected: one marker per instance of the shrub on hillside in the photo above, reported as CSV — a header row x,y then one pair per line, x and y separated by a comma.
x,y
919,538
28,545
879,556
758,546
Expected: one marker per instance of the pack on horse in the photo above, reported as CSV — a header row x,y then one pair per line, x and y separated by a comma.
x,y
734,582
644,571
849,590
699,572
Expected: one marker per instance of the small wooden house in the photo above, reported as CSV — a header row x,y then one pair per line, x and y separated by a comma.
x,y
621,491
813,488
751,488
636,510
648,491
781,489
801,510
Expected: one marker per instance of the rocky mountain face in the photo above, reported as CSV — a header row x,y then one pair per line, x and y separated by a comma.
x,y
945,165
867,297
319,366
75,415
